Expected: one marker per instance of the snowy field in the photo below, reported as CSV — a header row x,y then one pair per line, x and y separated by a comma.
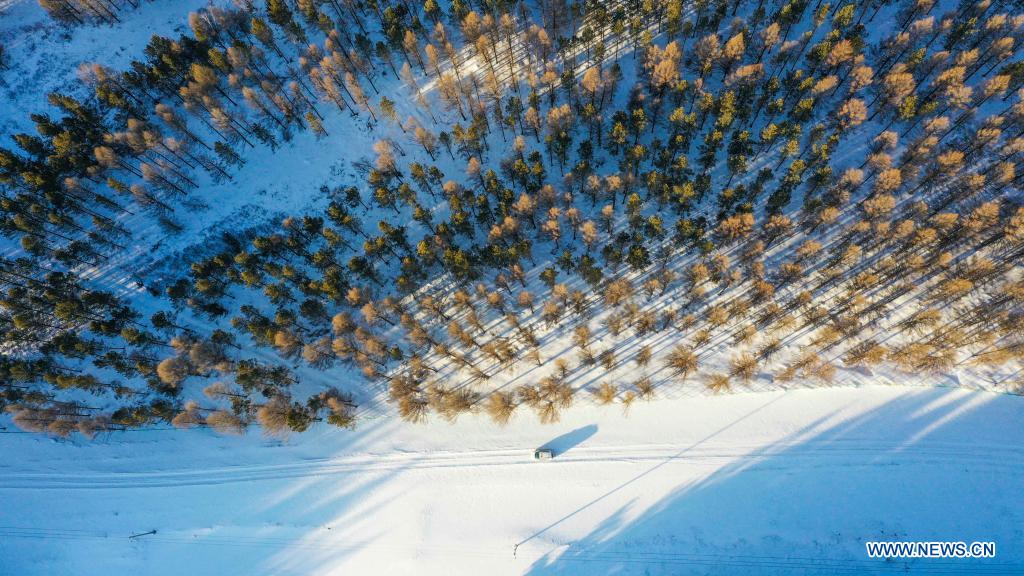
x,y
788,482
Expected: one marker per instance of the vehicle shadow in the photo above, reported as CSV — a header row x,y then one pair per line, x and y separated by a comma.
x,y
570,440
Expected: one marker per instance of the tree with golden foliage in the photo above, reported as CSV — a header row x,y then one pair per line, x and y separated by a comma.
x,y
682,361
226,423
500,406
744,367
173,371
718,383
273,416
605,393
644,388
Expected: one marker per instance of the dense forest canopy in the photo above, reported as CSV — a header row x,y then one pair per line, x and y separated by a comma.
x,y
567,202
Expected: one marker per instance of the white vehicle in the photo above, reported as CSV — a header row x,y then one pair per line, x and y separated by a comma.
x,y
543,454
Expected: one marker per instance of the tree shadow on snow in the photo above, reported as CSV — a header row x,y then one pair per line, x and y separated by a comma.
x,y
929,466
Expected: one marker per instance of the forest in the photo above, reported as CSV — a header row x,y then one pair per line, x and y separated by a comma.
x,y
565,202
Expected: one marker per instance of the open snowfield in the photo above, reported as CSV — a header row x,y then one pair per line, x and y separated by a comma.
x,y
786,482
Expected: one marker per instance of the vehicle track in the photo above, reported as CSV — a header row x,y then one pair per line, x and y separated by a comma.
x,y
838,453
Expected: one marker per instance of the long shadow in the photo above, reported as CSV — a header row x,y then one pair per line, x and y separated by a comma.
x,y
644,473
931,466
570,440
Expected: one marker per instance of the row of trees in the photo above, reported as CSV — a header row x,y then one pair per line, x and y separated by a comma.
x,y
79,12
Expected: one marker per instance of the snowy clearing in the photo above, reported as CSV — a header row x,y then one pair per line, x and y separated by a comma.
x,y
787,482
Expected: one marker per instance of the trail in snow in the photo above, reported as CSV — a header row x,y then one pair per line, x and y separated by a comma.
x,y
848,453
779,483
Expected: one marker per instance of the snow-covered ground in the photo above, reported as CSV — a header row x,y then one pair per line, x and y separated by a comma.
x,y
783,482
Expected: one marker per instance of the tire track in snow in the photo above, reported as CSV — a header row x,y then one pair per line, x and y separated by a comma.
x,y
814,454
